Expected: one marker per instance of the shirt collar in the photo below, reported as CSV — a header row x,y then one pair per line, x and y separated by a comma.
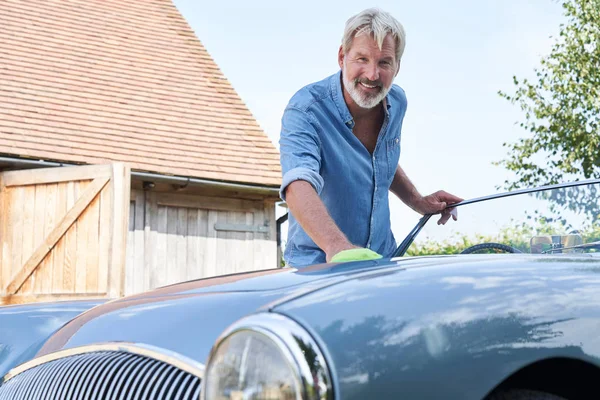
x,y
338,98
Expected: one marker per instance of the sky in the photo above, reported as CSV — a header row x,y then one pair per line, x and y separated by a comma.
x,y
458,55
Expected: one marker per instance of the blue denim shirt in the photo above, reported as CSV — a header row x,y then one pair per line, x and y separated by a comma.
x,y
317,145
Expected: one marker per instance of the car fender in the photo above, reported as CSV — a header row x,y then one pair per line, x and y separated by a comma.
x,y
25,328
465,325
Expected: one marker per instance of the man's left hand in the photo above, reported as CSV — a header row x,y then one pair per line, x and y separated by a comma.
x,y
436,203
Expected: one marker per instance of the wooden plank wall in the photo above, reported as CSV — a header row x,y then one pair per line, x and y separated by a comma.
x,y
78,265
172,238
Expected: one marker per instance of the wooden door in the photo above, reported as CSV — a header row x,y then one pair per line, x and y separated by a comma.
x,y
63,233
177,237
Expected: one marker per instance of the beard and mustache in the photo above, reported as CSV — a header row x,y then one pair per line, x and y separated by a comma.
x,y
361,97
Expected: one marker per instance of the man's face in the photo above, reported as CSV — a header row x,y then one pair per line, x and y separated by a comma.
x,y
367,71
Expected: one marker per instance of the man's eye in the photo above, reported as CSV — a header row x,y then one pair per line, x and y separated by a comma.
x,y
362,59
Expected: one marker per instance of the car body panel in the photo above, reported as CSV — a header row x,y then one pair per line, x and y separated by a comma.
x,y
388,328
264,280
28,327
187,325
187,318
24,328
456,329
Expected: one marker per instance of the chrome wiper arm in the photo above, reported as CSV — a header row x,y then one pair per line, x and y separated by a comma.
x,y
590,245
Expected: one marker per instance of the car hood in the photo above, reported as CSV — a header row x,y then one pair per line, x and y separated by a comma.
x,y
187,318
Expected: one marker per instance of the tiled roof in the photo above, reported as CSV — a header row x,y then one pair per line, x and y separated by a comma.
x,y
92,81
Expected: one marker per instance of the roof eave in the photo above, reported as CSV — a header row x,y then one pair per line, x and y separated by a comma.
x,y
152,176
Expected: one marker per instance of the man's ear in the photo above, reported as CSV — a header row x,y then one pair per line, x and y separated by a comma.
x,y
341,57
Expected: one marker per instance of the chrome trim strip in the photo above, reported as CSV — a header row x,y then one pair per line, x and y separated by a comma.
x,y
75,377
526,191
189,391
134,377
44,370
175,383
163,382
184,363
140,377
150,388
287,334
89,371
103,363
185,385
411,237
47,382
122,374
112,373
64,386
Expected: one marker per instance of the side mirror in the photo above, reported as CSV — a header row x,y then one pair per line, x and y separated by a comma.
x,y
540,244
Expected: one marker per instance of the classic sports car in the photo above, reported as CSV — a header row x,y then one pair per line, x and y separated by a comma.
x,y
521,320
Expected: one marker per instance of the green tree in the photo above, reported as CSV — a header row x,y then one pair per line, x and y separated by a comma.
x,y
561,106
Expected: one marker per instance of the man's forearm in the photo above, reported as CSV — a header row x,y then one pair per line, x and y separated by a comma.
x,y
312,215
405,190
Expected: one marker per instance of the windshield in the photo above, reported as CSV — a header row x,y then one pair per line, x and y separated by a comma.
x,y
562,219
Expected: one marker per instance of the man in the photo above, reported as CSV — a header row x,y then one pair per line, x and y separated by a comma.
x,y
340,146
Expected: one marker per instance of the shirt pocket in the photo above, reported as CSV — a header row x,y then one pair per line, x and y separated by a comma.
x,y
393,156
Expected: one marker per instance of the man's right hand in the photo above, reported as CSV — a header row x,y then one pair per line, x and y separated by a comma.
x,y
310,212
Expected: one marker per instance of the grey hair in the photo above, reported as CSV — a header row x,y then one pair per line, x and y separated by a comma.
x,y
378,23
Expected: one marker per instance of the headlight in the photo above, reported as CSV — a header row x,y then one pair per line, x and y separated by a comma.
x,y
266,357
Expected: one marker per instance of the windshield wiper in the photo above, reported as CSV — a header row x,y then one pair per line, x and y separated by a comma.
x,y
590,245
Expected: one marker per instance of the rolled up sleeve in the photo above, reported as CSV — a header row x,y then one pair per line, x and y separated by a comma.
x,y
300,150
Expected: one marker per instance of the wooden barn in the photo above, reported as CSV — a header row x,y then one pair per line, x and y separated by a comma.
x,y
127,160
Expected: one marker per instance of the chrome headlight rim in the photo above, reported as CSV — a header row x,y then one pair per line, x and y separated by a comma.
x,y
284,332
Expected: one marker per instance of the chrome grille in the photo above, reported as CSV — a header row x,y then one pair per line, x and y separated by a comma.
x,y
102,375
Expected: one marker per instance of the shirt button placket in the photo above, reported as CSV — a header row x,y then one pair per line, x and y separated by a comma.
x,y
374,198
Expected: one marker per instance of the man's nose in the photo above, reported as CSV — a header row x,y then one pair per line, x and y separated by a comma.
x,y
372,72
